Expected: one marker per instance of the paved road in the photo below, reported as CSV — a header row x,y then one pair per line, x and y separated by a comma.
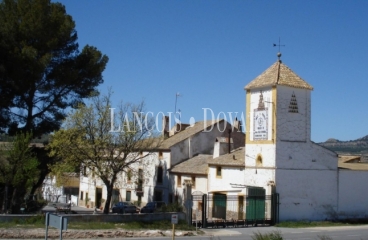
x,y
338,233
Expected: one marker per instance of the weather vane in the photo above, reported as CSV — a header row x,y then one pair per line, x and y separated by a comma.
x,y
278,45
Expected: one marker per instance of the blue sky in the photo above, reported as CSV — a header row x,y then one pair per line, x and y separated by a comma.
x,y
209,50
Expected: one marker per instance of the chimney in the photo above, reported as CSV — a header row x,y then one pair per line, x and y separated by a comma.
x,y
238,125
222,146
165,126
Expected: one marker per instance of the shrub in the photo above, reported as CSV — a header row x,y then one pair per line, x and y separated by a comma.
x,y
275,235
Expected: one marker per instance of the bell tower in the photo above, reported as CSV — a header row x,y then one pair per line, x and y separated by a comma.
x,y
277,112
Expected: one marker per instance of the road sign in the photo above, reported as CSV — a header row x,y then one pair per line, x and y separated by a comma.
x,y
174,218
56,221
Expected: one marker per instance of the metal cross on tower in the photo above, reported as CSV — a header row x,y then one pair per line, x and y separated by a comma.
x,y
279,45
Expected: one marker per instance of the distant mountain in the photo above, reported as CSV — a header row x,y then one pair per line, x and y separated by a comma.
x,y
359,145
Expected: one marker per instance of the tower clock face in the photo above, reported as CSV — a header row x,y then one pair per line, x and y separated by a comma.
x,y
260,124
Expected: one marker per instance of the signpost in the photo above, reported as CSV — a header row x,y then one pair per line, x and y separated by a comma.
x,y
174,220
56,221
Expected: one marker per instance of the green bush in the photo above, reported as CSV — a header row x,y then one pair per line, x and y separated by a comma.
x,y
172,207
275,235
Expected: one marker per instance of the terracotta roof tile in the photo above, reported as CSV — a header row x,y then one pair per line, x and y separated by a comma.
x,y
195,165
234,158
278,74
188,132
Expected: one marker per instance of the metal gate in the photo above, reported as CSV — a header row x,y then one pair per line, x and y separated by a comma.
x,y
221,210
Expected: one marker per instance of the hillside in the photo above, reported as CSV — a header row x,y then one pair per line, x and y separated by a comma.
x,y
359,145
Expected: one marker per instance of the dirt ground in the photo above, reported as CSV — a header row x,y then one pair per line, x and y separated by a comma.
x,y
19,233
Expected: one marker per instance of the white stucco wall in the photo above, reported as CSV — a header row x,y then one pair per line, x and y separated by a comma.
x,y
306,194
353,194
304,155
266,151
293,126
259,177
229,175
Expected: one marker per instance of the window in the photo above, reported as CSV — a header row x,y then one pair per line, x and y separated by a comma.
x,y
140,180
259,161
84,171
129,175
81,195
128,196
193,181
160,173
160,155
218,172
179,181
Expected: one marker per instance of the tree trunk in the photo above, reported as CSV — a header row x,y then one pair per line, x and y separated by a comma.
x,y
18,198
44,162
109,188
3,192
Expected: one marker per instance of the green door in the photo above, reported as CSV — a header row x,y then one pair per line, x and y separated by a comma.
x,y
256,204
219,206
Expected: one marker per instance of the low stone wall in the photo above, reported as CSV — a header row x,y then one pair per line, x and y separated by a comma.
x,y
117,218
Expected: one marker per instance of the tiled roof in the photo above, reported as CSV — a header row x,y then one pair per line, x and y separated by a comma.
x,y
354,166
234,158
346,162
195,165
188,132
278,74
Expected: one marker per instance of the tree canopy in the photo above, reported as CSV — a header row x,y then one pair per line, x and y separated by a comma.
x,y
18,170
42,71
92,139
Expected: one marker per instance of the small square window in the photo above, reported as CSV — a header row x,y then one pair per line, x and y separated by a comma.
x,y
128,196
218,172
179,181
160,155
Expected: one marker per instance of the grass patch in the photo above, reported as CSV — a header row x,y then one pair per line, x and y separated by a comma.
x,y
275,235
39,222
305,224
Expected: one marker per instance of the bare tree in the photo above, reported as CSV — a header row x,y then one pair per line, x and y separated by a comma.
x,y
109,141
